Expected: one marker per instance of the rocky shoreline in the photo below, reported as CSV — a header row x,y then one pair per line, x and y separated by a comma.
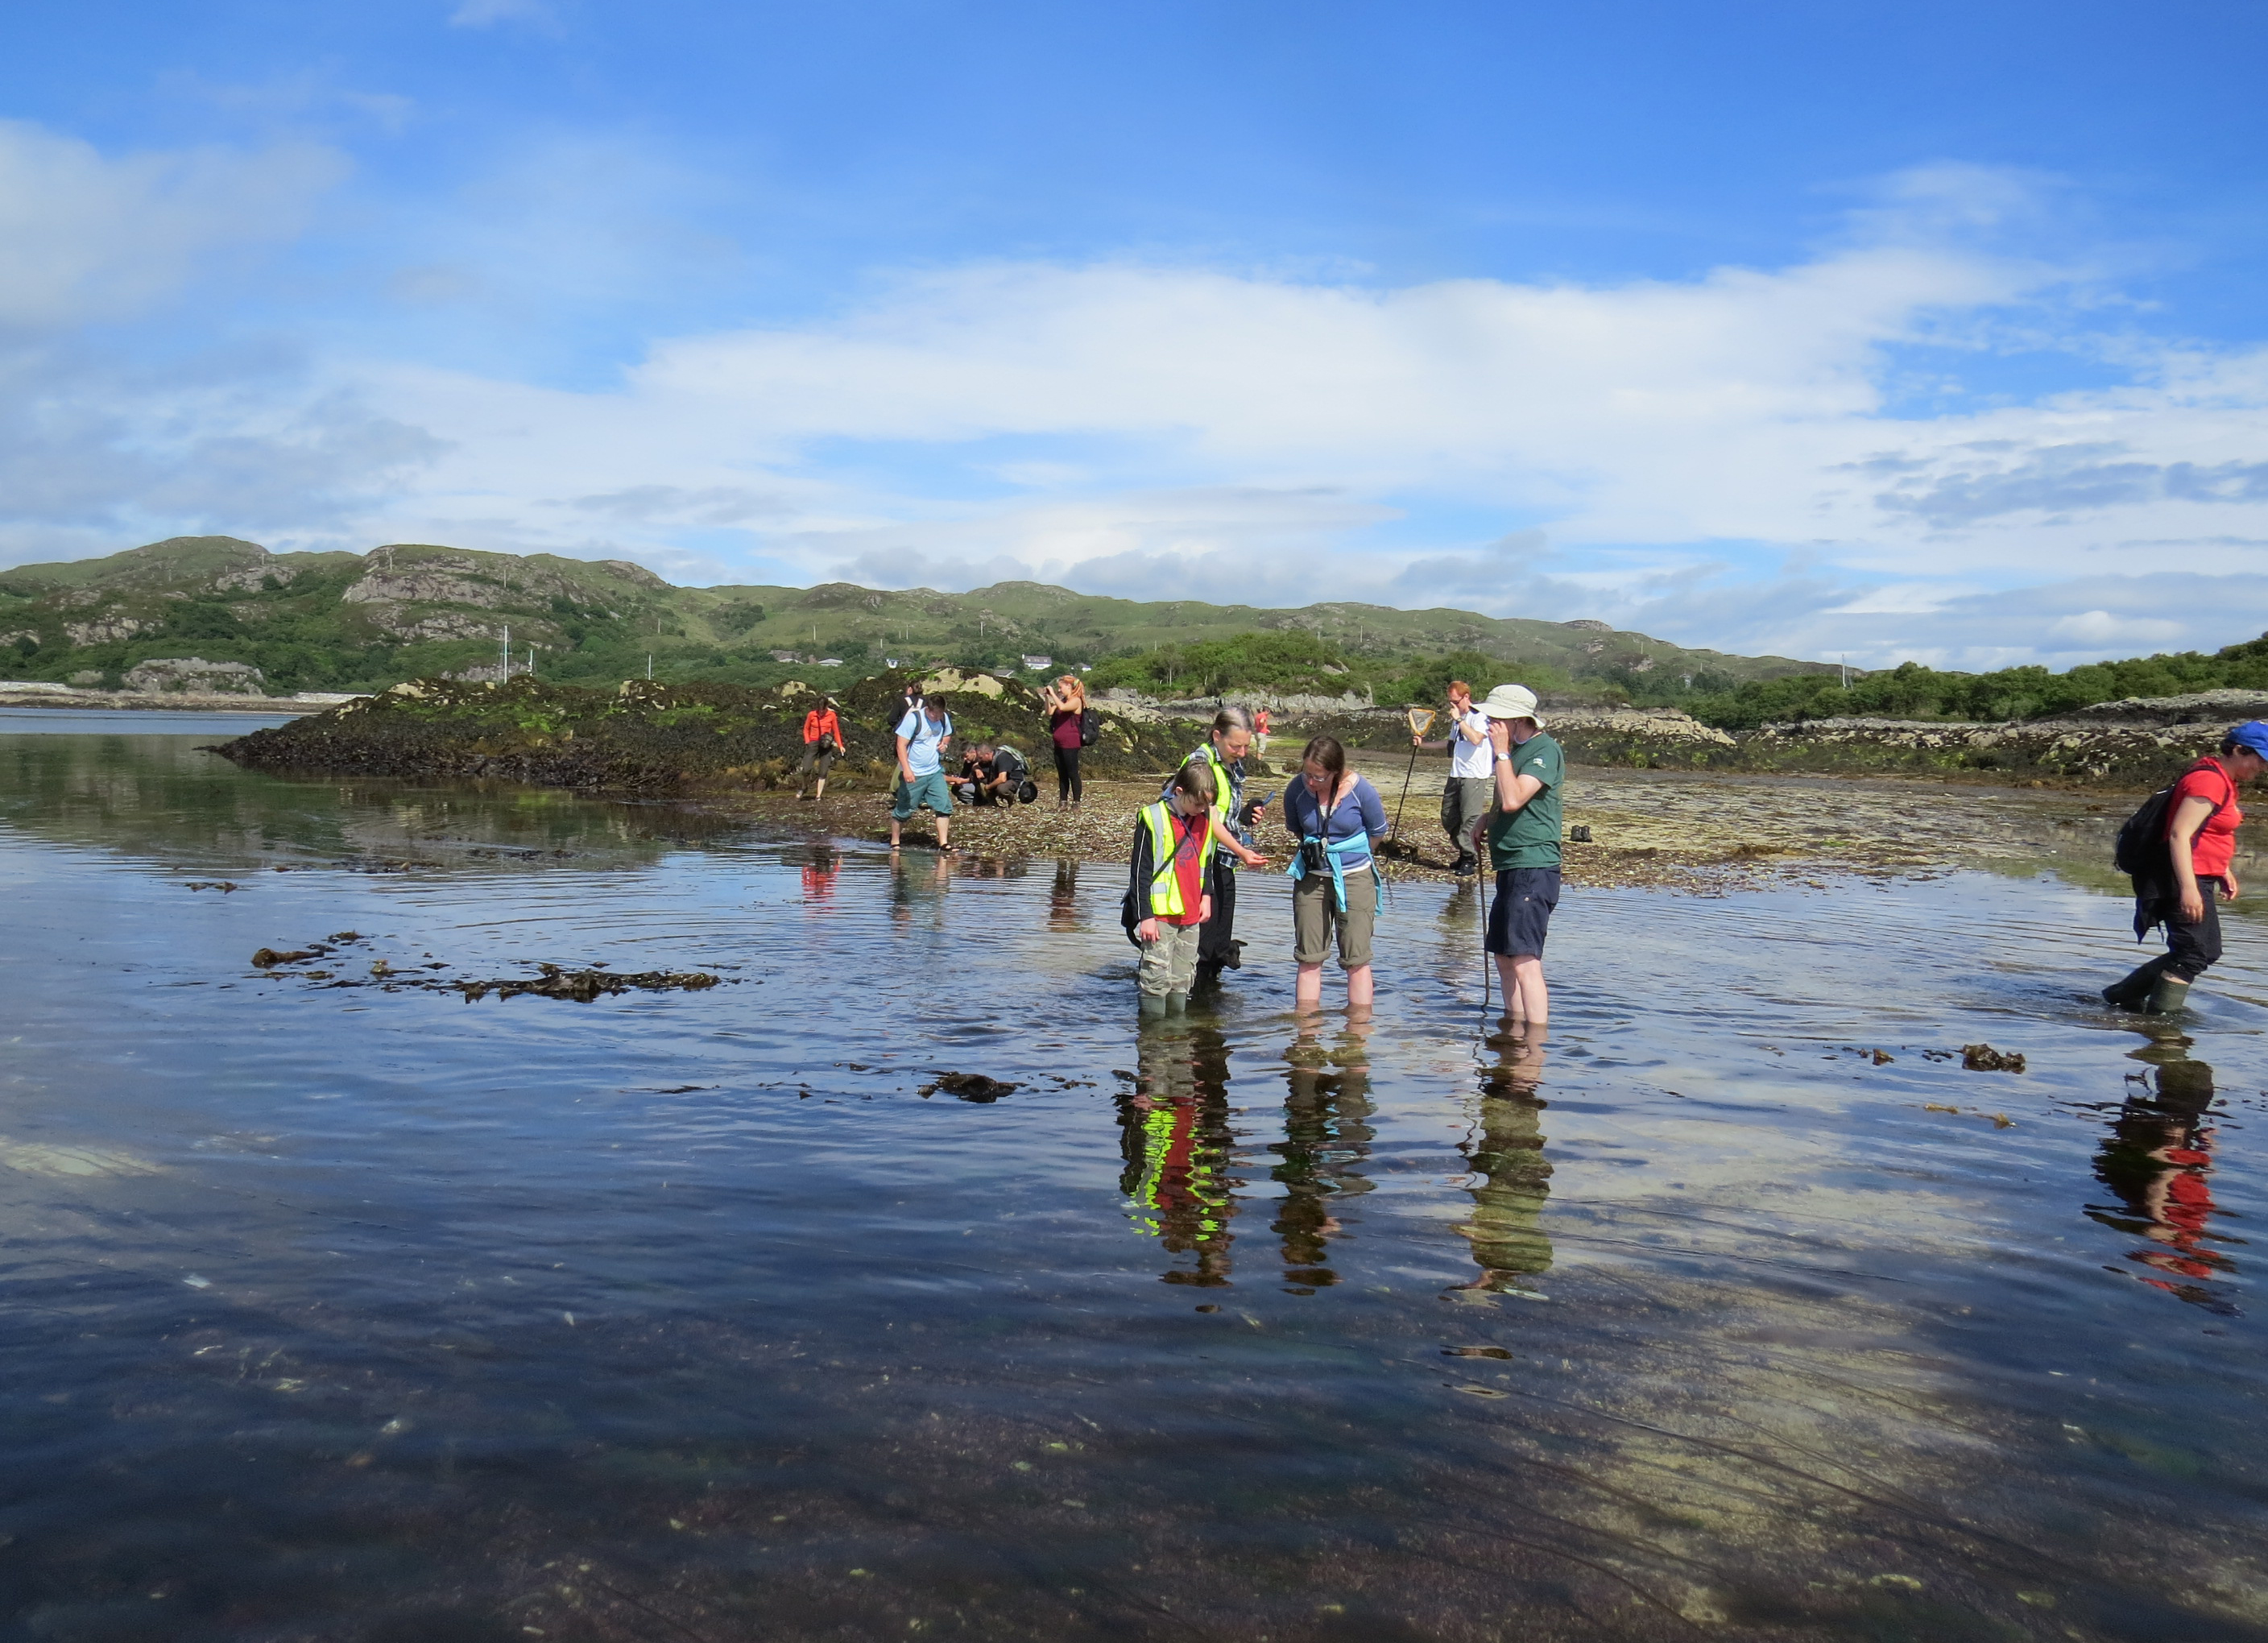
x,y
2137,744
652,738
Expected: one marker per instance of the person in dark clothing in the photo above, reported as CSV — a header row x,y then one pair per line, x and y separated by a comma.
x,y
990,776
1223,754
2199,872
1066,704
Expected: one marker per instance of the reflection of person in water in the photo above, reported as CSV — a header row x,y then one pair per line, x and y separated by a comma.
x,y
1063,899
1511,1177
1327,1132
1173,1134
821,869
911,884
2158,1158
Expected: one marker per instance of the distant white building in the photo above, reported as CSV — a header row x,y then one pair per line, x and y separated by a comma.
x,y
830,661
1036,662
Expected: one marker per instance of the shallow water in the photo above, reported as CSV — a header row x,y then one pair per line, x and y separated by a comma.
x,y
343,1312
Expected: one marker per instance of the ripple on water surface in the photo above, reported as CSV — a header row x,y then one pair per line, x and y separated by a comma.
x,y
1739,1305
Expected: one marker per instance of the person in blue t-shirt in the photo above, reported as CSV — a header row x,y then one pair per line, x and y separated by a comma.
x,y
1338,818
922,736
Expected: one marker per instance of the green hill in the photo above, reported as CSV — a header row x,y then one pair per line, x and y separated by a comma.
x,y
359,622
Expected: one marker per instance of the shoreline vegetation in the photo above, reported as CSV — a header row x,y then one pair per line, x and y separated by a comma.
x,y
1669,802
216,616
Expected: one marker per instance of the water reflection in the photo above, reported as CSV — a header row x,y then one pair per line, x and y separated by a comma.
x,y
918,883
1327,1132
166,798
1174,1136
1503,1152
2158,1159
1063,896
822,865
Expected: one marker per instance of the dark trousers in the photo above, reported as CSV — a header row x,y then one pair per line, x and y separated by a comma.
x,y
1215,934
2190,949
1069,788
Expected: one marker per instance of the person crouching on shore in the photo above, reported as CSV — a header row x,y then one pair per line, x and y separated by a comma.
x,y
1165,902
2198,871
1522,828
922,735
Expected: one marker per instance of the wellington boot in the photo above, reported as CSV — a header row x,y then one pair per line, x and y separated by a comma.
x,y
2134,992
1177,1002
2170,997
1154,1009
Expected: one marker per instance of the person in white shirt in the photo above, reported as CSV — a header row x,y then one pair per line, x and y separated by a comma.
x,y
1471,786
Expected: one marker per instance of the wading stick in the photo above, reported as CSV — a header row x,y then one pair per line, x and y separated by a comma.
x,y
1488,961
1416,730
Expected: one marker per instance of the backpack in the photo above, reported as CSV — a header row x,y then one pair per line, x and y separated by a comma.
x,y
1090,726
2140,852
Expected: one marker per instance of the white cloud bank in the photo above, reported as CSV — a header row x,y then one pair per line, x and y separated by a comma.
x,y
1718,459
84,237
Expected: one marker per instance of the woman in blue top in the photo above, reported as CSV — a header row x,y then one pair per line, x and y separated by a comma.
x,y
1337,817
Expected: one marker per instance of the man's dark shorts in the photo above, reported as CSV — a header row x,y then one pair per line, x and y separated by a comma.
x,y
1521,915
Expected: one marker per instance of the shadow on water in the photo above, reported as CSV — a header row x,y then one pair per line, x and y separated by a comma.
x,y
1743,1310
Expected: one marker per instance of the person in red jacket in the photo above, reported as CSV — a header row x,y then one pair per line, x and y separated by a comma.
x,y
2201,824
822,745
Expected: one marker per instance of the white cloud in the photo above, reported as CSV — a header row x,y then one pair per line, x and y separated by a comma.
x,y
87,237
1718,458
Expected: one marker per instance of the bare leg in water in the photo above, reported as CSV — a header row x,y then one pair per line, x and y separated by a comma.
x,y
1527,1001
1308,991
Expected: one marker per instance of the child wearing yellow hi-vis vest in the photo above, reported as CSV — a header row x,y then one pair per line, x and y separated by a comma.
x,y
1166,901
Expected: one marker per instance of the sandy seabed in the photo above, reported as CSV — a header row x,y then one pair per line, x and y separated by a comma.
x,y
1679,831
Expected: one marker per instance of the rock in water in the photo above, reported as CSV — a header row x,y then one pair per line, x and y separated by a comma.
x,y
1984,1059
968,1086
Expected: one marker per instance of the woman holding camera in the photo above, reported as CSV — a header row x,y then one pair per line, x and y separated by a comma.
x,y
1339,820
1065,701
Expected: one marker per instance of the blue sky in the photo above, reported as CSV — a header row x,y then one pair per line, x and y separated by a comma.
x,y
1830,329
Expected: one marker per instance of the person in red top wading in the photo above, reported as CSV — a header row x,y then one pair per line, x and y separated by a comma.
x,y
823,744
2201,821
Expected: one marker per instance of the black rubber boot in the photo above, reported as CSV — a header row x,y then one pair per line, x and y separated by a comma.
x,y
2133,993
2170,997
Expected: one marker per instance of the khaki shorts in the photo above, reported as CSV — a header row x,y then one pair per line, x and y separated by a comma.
x,y
1315,915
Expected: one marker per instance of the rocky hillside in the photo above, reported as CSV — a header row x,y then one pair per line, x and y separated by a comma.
x,y
217,612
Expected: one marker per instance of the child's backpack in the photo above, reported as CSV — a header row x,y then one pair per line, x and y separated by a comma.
x,y
2140,852
1090,726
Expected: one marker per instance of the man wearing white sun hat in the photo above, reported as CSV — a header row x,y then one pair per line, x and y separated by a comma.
x,y
1522,828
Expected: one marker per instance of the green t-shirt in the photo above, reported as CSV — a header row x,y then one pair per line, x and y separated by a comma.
x,y
1530,836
